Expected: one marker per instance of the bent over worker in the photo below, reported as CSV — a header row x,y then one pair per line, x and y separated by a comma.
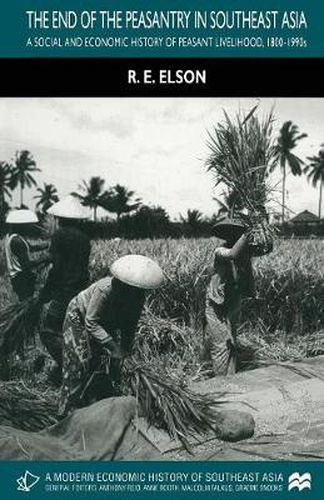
x,y
100,325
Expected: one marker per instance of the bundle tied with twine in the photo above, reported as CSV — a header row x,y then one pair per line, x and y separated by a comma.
x,y
242,152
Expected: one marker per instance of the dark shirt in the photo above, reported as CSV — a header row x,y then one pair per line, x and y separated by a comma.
x,y
104,313
69,253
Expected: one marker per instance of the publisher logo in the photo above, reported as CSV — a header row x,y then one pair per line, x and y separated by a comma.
x,y
27,481
299,481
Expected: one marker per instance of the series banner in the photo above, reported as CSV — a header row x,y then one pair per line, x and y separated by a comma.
x,y
100,28
162,480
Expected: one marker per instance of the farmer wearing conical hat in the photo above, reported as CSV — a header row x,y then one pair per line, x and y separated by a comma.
x,y
69,254
18,252
231,282
99,329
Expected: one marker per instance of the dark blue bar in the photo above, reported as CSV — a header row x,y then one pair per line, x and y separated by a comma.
x,y
275,28
159,480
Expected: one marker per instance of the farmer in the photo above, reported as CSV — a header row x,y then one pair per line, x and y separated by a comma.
x,y
18,252
99,329
69,254
232,281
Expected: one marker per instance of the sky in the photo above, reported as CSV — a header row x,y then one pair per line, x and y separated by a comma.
x,y
156,147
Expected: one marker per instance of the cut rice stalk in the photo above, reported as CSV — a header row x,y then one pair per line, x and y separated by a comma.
x,y
17,324
169,404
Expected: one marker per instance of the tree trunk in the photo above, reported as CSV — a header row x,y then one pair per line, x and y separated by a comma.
x,y
21,196
320,199
95,213
283,166
2,208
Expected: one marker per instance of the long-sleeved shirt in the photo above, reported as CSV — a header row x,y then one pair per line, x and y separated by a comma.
x,y
105,313
69,253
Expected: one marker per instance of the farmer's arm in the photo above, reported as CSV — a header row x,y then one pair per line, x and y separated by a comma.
x,y
45,259
235,252
38,247
53,257
97,309
215,296
55,251
129,329
19,249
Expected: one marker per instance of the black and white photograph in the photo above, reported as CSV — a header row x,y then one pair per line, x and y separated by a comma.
x,y
161,279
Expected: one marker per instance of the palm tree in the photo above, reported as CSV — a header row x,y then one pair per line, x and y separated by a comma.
x,y
315,174
5,182
119,200
192,222
24,165
47,197
229,205
93,191
288,139
193,218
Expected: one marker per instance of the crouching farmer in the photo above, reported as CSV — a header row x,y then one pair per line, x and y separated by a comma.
x,y
231,282
99,327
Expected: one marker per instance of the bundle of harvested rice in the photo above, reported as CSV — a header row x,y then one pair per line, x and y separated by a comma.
x,y
26,409
242,152
164,401
17,324
260,233
167,403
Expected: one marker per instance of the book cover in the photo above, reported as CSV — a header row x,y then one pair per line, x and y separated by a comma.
x,y
161,249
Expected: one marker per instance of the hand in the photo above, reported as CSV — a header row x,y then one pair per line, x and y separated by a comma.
x,y
113,350
44,296
117,352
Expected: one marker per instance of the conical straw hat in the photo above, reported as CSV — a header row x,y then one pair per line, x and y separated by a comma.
x,y
21,216
229,227
138,271
69,208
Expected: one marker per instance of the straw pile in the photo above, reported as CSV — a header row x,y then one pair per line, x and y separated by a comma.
x,y
25,408
17,324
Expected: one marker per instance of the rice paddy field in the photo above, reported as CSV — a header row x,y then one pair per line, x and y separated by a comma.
x,y
284,322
